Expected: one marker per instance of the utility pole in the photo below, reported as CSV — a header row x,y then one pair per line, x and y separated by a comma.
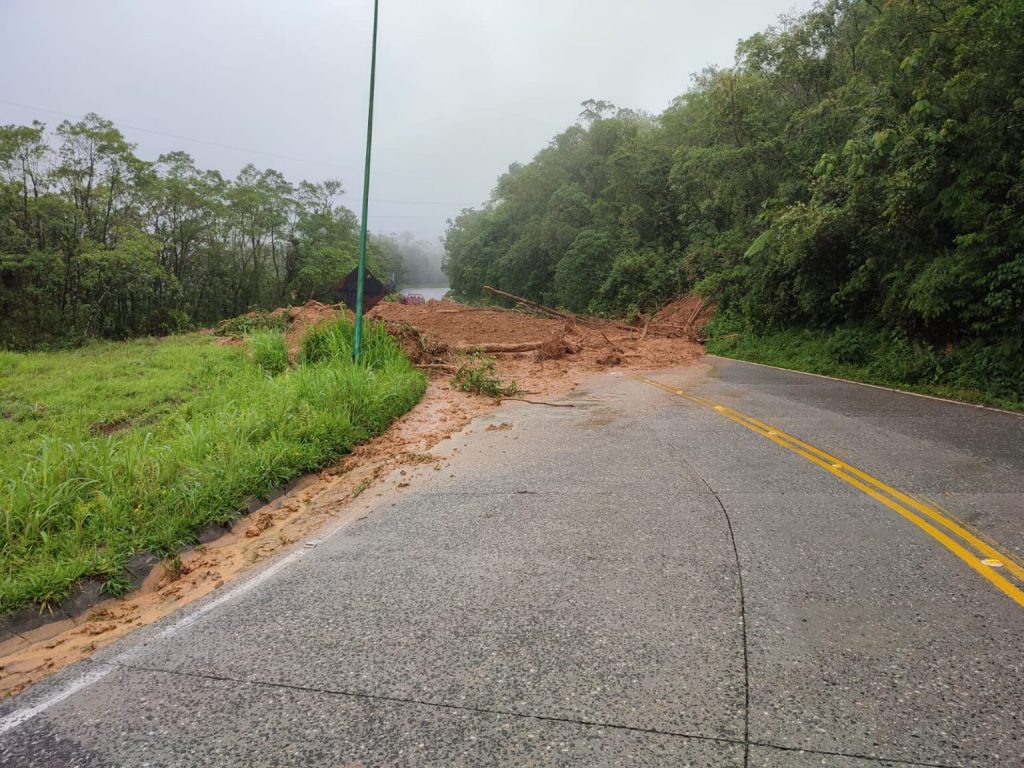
x,y
361,277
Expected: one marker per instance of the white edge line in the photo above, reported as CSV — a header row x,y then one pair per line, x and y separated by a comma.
x,y
19,716
197,614
1018,414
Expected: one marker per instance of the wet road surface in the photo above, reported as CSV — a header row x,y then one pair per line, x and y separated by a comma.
x,y
668,573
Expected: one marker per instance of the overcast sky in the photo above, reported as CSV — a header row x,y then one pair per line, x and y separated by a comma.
x,y
464,87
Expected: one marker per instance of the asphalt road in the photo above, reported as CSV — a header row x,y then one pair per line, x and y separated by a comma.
x,y
644,579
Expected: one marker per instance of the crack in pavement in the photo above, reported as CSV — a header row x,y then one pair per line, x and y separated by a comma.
x,y
746,667
743,604
508,713
743,621
421,702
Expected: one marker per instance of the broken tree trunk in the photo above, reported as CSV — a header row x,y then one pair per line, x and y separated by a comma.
x,y
528,346
647,327
532,304
696,312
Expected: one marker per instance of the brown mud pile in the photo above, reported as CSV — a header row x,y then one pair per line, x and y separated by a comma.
x,y
297,321
432,335
568,350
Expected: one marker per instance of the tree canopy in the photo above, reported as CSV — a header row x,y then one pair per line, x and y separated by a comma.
x,y
95,242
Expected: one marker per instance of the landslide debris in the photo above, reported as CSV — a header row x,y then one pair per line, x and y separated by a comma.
x,y
546,354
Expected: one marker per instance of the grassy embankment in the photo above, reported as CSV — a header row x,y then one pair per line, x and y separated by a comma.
x,y
117,448
988,374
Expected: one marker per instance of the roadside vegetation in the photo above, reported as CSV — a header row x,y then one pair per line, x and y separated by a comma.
x,y
987,374
117,448
854,183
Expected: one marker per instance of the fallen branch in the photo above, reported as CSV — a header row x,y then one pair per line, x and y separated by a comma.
x,y
696,312
438,366
538,402
528,303
528,346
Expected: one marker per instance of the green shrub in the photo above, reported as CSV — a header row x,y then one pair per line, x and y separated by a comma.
x,y
851,346
640,281
165,322
329,340
480,375
254,321
898,361
994,368
978,371
336,340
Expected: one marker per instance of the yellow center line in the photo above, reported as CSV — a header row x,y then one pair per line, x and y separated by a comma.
x,y
930,511
906,506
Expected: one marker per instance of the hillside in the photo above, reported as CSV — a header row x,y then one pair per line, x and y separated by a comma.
x,y
856,174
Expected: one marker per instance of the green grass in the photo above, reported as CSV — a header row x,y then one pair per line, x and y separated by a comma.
x,y
115,449
254,321
975,372
75,395
269,351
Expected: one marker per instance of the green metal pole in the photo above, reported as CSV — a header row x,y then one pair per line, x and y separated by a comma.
x,y
361,275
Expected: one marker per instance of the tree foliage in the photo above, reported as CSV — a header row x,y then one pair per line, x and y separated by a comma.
x,y
95,242
860,164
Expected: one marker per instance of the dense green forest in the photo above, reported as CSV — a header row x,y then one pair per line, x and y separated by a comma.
x,y
857,173
95,242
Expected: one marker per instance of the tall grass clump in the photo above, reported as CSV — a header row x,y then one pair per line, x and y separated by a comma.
x,y
72,509
269,351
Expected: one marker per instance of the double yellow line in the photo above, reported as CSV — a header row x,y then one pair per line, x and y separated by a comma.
x,y
977,553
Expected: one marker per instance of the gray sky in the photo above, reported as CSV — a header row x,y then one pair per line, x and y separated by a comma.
x,y
464,87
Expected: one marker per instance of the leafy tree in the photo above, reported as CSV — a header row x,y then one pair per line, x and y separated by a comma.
x,y
97,242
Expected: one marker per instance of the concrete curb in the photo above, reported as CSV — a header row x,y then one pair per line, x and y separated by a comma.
x,y
88,592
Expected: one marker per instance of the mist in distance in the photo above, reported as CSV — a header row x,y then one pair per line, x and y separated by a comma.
x,y
463,88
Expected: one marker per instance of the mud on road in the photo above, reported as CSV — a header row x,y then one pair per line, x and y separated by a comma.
x,y
571,349
432,334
